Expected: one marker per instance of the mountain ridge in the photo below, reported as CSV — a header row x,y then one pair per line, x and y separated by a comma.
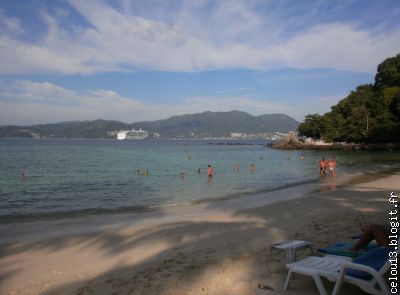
x,y
198,125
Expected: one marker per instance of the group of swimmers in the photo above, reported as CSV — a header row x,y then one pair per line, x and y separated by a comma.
x,y
210,170
252,168
331,165
142,172
323,166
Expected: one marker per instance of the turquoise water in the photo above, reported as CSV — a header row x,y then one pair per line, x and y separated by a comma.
x,y
84,176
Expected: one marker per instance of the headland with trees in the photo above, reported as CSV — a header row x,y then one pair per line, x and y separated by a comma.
x,y
368,118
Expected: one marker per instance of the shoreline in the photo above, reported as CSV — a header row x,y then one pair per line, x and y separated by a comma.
x,y
23,229
209,248
6,219
144,209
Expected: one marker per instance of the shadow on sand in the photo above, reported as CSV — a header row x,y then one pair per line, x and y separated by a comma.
x,y
204,257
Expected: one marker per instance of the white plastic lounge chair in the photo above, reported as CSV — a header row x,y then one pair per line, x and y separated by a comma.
x,y
335,268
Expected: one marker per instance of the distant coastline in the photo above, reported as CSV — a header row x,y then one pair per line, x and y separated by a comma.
x,y
206,125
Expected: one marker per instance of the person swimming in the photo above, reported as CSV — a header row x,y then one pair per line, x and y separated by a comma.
x,y
252,167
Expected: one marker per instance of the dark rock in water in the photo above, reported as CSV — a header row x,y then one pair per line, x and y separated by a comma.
x,y
289,142
293,142
234,143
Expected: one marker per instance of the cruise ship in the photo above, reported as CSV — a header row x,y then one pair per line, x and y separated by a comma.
x,y
132,134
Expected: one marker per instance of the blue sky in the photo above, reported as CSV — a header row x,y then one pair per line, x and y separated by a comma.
x,y
152,59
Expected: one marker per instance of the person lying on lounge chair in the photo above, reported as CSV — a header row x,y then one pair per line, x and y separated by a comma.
x,y
369,232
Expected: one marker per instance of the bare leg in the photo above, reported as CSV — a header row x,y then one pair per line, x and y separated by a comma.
x,y
371,232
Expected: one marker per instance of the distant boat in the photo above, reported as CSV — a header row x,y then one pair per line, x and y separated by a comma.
x,y
132,134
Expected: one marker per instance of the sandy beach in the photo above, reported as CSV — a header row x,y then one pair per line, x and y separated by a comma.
x,y
208,248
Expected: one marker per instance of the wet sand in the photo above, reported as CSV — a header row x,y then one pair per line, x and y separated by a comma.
x,y
208,248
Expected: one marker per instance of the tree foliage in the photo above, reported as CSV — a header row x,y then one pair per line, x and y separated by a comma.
x,y
313,126
371,113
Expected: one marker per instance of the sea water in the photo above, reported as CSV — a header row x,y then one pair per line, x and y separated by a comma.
x,y
69,177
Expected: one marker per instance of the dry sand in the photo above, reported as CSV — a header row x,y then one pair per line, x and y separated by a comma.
x,y
209,248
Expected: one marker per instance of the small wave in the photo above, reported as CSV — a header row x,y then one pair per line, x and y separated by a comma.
x,y
18,217
12,218
256,192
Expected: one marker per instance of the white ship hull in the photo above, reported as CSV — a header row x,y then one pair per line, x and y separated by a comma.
x,y
132,134
137,137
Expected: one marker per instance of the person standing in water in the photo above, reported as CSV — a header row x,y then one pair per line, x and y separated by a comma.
x,y
210,171
252,168
332,166
322,167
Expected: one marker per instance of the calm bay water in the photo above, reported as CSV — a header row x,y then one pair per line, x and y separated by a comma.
x,y
82,176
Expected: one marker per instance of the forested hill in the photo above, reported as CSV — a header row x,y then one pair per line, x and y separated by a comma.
x,y
369,114
207,124
75,129
217,124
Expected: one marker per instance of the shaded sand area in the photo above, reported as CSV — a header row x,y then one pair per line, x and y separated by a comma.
x,y
208,248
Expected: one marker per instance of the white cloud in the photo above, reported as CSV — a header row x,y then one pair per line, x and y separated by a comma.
x,y
341,47
27,102
21,58
231,34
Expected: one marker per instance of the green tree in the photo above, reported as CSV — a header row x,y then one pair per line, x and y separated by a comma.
x,y
370,113
313,126
388,73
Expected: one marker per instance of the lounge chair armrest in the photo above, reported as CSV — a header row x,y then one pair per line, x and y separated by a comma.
x,y
375,276
360,267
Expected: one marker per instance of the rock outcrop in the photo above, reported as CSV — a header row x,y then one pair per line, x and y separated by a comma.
x,y
293,142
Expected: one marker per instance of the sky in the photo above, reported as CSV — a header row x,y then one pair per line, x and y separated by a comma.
x,y
135,60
